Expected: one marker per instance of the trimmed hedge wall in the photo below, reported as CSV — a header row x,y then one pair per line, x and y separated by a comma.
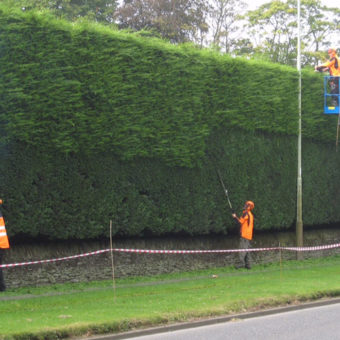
x,y
62,197
97,124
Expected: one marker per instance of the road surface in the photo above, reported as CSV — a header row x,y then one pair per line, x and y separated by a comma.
x,y
316,323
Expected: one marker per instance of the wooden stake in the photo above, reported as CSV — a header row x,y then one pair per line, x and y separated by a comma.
x,y
280,262
112,264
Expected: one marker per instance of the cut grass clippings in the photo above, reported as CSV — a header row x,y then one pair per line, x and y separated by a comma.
x,y
66,310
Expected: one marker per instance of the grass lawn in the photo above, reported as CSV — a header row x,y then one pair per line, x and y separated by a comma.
x,y
61,311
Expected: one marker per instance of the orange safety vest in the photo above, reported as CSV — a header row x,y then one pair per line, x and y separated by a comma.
x,y
333,65
247,225
4,244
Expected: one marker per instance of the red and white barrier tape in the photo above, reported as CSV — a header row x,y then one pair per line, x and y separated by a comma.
x,y
53,260
155,251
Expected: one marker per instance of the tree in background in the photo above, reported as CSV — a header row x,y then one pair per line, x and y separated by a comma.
x,y
273,25
175,20
274,28
321,24
225,19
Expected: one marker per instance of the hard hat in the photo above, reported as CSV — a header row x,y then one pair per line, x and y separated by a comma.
x,y
250,204
331,50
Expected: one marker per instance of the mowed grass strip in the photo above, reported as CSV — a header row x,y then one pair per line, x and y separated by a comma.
x,y
61,311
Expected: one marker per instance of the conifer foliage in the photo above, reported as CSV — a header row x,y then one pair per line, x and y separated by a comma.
x,y
97,124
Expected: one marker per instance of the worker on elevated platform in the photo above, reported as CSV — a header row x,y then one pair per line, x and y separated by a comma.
x,y
333,67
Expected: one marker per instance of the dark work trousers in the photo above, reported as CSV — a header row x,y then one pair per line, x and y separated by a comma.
x,y
334,86
2,282
245,255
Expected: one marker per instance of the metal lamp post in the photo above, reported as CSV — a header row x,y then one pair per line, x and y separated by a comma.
x,y
299,223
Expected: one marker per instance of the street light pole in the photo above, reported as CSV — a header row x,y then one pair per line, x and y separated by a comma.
x,y
299,223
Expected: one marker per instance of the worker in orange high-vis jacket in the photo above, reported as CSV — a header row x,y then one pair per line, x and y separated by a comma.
x,y
246,233
333,67
4,244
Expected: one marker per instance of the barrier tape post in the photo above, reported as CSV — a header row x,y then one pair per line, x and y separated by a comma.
x,y
280,252
112,264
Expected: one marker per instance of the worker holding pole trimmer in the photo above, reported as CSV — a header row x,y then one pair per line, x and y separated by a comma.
x,y
246,232
4,244
246,226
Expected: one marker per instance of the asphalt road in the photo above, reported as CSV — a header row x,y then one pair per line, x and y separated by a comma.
x,y
317,320
319,323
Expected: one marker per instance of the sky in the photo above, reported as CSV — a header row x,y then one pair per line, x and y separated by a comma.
x,y
253,4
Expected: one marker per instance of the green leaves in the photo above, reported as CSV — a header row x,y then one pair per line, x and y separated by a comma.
x,y
86,88
98,125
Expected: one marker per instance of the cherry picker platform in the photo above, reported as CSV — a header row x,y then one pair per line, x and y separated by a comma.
x,y
331,95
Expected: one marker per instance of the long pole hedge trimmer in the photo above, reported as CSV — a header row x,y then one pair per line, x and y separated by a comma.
x,y
225,190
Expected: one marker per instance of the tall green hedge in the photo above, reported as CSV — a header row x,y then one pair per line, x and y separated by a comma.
x,y
76,196
98,124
